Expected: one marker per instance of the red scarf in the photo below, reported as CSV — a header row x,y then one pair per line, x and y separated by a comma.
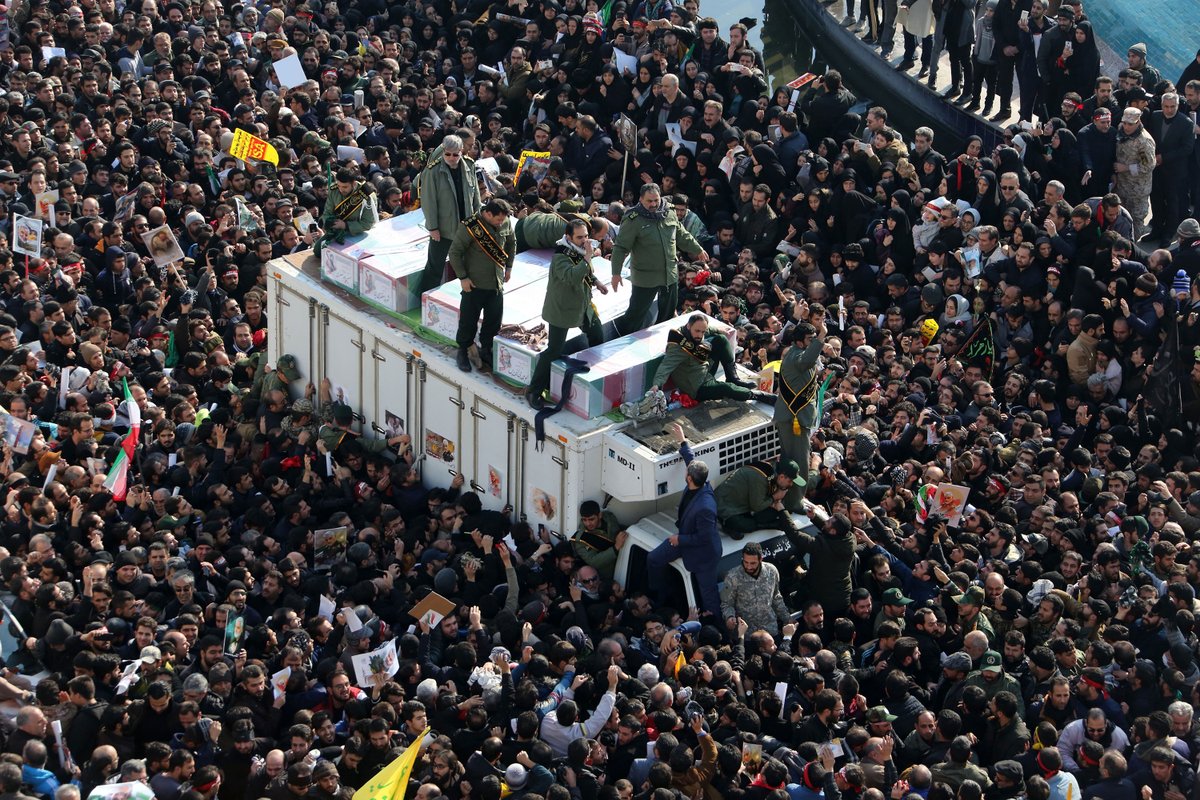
x,y
759,780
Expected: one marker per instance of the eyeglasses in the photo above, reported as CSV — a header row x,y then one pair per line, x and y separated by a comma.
x,y
1008,188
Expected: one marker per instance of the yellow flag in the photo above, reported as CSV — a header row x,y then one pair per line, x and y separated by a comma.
x,y
680,662
391,782
247,146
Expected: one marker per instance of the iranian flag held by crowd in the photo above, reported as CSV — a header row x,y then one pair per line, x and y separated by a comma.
x,y
117,481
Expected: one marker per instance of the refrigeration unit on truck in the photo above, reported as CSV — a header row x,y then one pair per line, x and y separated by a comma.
x,y
476,425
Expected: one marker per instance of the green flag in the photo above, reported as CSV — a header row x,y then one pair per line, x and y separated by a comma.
x,y
605,13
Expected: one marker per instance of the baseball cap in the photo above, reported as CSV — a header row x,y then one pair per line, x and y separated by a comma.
x,y
880,714
973,596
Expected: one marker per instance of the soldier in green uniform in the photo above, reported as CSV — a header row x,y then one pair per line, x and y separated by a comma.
x,y
286,373
691,361
542,228
336,434
796,409
302,418
758,495
958,767
449,191
992,678
568,302
481,256
970,616
650,234
599,539
350,208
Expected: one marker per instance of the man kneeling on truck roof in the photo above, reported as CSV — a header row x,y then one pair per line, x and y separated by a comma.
x,y
758,495
692,359
542,227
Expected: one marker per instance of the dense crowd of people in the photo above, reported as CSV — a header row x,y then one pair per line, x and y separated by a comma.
x,y
994,320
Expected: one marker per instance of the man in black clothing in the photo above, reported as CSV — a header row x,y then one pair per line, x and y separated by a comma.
x,y
826,104
827,713
1007,32
1174,137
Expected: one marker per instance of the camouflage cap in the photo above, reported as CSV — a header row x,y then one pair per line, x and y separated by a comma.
x,y
288,368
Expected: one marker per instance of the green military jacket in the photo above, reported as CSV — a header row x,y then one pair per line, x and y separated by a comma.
x,y
652,238
568,300
603,538
688,368
541,230
334,437
1005,683
953,774
359,221
799,371
748,490
436,190
468,260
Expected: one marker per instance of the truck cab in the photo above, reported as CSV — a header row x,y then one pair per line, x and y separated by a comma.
x,y
649,532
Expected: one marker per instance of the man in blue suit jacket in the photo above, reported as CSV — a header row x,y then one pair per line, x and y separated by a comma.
x,y
698,540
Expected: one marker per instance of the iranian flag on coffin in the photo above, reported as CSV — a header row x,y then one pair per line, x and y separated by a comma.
x,y
117,481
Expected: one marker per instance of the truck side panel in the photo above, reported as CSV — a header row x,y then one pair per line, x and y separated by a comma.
x,y
544,474
293,325
441,433
342,347
390,404
491,474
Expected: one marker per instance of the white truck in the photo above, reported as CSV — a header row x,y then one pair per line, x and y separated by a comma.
x,y
474,424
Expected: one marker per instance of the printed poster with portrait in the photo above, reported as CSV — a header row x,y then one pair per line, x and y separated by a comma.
x,y
235,628
132,790
376,666
45,204
393,424
329,544
27,235
545,505
163,246
950,502
438,447
123,208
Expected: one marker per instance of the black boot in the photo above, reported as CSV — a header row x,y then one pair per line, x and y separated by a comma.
x,y
763,397
463,361
485,360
